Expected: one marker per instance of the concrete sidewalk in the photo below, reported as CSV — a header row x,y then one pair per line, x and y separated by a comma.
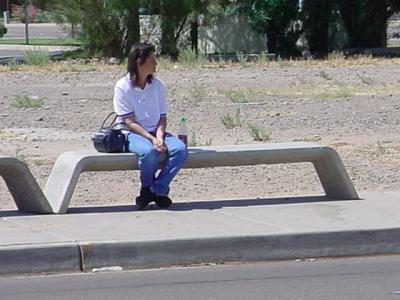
x,y
199,232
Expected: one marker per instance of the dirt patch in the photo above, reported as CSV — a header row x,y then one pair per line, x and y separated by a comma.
x,y
354,108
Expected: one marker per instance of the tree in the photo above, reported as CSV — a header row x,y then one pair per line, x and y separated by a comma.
x,y
276,19
131,21
317,16
107,27
174,14
366,20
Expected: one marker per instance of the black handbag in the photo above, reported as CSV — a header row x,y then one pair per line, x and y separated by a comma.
x,y
110,139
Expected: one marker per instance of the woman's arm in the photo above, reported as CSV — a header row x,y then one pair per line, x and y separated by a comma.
x,y
136,128
161,127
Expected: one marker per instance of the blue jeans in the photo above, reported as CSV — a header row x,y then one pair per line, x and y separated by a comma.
x,y
148,158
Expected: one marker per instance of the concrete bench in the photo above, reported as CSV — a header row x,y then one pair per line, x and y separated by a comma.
x,y
331,171
23,187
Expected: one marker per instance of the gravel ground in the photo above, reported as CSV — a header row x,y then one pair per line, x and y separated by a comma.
x,y
351,106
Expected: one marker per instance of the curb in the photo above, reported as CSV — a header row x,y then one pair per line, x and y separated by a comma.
x,y
87,256
132,255
49,258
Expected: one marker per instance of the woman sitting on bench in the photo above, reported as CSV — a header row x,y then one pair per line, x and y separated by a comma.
x,y
139,101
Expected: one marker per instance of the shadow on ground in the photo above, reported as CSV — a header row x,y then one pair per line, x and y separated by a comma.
x,y
187,206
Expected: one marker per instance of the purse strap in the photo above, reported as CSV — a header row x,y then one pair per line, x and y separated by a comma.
x,y
108,116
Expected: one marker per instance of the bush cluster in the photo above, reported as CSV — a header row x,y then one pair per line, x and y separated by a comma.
x,y
3,30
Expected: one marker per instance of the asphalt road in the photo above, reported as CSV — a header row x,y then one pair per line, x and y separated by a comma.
x,y
6,53
44,30
349,278
17,31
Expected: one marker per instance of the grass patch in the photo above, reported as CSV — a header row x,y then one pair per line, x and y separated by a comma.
x,y
165,63
230,121
194,142
325,75
339,92
37,57
6,135
242,59
365,80
43,42
240,96
262,58
13,65
332,90
25,101
197,92
74,54
189,58
68,68
335,59
259,133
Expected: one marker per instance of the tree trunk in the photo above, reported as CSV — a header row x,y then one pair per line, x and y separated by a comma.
x,y
168,42
272,37
194,34
317,15
133,27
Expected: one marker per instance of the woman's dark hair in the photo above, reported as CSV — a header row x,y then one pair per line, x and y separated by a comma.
x,y
140,51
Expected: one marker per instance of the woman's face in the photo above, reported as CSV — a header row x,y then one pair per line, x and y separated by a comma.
x,y
150,64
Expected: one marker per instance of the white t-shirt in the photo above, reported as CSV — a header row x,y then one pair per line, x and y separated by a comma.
x,y
146,105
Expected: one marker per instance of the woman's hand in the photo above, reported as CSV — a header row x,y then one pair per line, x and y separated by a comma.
x,y
159,144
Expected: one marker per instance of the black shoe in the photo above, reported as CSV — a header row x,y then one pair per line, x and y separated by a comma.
x,y
146,196
163,201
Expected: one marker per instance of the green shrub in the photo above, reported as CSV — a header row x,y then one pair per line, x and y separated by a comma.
x,y
37,57
48,17
25,101
3,30
42,17
259,133
230,121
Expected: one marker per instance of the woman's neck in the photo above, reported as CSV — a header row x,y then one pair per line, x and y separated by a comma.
x,y
142,80
141,83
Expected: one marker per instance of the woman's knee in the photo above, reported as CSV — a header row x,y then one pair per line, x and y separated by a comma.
x,y
139,144
149,154
180,150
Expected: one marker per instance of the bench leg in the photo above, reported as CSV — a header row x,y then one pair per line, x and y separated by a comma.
x,y
62,181
333,176
27,194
